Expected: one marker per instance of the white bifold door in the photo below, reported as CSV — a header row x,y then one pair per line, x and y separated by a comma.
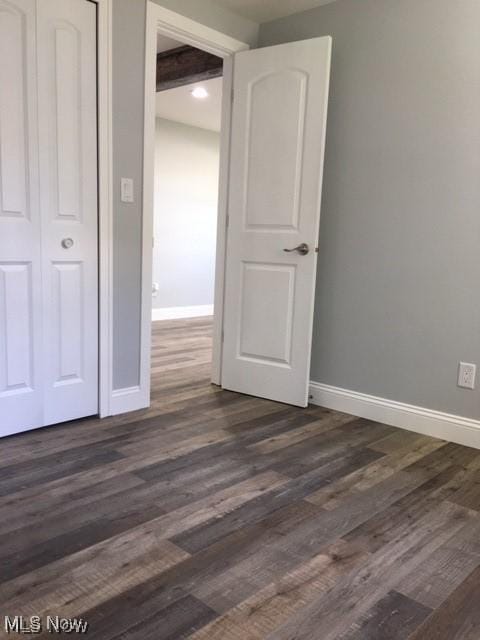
x,y
48,213
276,166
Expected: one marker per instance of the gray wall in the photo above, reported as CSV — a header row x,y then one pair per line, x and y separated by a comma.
x,y
186,195
128,98
398,295
128,106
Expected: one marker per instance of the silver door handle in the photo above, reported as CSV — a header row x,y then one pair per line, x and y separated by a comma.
x,y
302,249
67,243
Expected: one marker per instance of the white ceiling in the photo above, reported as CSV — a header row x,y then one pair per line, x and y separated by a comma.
x,y
265,10
180,106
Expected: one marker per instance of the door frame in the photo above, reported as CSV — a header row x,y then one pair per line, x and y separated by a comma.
x,y
105,207
176,26
179,27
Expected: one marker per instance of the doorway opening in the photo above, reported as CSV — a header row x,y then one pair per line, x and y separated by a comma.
x,y
188,114
180,29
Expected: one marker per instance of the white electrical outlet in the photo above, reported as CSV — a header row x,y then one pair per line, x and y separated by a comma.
x,y
466,375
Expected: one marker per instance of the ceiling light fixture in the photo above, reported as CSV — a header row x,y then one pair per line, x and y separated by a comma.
x,y
200,93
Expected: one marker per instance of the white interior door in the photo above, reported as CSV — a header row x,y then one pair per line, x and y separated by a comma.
x,y
277,149
48,216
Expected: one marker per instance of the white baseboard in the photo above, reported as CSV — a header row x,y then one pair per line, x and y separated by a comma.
x,y
128,399
445,426
174,313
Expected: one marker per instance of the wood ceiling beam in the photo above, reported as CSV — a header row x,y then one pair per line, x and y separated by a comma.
x,y
185,65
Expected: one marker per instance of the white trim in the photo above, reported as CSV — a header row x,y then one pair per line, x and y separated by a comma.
x,y
105,225
147,212
174,25
124,400
174,313
446,426
221,245
179,27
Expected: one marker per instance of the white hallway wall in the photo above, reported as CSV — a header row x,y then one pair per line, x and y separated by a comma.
x,y
186,191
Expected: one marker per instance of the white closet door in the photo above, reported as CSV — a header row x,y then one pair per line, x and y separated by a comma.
x,y
48,213
21,399
68,179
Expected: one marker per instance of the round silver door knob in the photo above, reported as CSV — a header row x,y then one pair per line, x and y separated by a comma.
x,y
67,243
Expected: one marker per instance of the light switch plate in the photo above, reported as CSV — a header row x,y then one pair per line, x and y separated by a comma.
x,y
126,190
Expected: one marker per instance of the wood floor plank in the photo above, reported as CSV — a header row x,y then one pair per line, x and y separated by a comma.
x,y
179,620
63,544
445,570
25,512
267,609
90,578
440,479
396,440
255,510
193,574
325,423
393,617
292,534
458,618
43,474
375,472
332,616
213,506
469,495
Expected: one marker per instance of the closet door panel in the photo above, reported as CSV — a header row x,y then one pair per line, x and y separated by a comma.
x,y
21,392
68,172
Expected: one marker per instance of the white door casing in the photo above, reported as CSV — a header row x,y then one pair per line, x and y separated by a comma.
x,y
179,27
277,150
49,353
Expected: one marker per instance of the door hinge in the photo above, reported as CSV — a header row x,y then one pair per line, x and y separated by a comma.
x,y
232,95
223,336
227,220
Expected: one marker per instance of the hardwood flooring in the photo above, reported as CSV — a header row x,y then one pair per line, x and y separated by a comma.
x,y
217,516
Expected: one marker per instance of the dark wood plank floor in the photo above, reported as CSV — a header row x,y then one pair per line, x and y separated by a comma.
x,y
216,516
